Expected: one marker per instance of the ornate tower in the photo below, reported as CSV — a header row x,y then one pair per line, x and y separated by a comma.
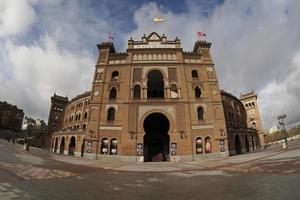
x,y
253,115
58,104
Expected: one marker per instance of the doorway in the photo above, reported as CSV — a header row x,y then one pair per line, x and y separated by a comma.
x,y
156,138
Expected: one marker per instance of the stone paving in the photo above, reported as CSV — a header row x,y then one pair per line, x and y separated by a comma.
x,y
29,172
8,192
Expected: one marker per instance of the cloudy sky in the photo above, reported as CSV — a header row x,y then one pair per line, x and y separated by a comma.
x,y
50,45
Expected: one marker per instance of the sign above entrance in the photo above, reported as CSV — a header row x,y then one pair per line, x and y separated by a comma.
x,y
153,45
202,126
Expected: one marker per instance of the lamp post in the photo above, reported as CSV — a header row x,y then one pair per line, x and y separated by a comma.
x,y
281,122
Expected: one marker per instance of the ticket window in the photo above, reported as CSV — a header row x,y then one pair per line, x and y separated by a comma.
x,y
208,145
199,148
104,146
113,146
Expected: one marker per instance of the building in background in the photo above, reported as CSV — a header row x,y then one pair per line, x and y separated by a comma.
x,y
154,102
11,117
253,115
273,129
58,104
241,137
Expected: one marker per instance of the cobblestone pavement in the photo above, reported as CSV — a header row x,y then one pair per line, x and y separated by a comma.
x,y
8,192
273,174
28,171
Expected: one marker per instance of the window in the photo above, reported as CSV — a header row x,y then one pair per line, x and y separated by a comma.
x,y
207,145
111,114
174,91
137,92
200,113
84,126
198,93
85,115
115,75
113,93
199,149
155,84
253,125
194,74
113,146
104,146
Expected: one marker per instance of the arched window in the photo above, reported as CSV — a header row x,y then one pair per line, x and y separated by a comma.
x,y
199,148
104,146
79,116
85,115
253,125
137,92
200,113
155,84
194,74
207,145
115,75
111,114
113,146
113,93
198,93
174,91
84,126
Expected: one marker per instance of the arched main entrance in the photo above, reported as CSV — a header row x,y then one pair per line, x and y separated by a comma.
x,y
238,146
156,138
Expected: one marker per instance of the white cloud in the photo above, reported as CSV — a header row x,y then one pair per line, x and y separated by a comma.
x,y
16,16
254,43
254,47
40,69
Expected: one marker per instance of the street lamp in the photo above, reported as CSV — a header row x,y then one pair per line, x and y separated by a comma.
x,y
281,122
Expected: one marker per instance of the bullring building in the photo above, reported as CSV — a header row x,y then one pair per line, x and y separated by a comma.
x,y
154,102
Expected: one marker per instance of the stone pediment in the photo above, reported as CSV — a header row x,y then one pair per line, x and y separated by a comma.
x,y
154,37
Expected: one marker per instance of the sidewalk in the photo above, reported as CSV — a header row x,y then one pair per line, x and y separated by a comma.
x,y
212,164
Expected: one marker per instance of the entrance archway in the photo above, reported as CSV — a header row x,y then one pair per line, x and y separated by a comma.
x,y
247,143
156,138
155,85
82,147
72,146
56,144
238,146
62,145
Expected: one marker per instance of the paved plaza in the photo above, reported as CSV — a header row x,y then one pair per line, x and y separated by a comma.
x,y
270,174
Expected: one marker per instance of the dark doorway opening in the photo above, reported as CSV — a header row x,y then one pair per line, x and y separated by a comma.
x,y
56,144
238,146
253,145
62,145
247,143
156,139
155,85
72,146
82,147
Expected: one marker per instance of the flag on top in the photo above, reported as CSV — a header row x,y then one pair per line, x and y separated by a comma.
x,y
158,19
201,34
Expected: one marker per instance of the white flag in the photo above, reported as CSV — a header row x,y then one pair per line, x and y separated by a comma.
x,y
158,19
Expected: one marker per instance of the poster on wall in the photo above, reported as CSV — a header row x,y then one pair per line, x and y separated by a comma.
x,y
222,145
89,147
139,149
173,149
